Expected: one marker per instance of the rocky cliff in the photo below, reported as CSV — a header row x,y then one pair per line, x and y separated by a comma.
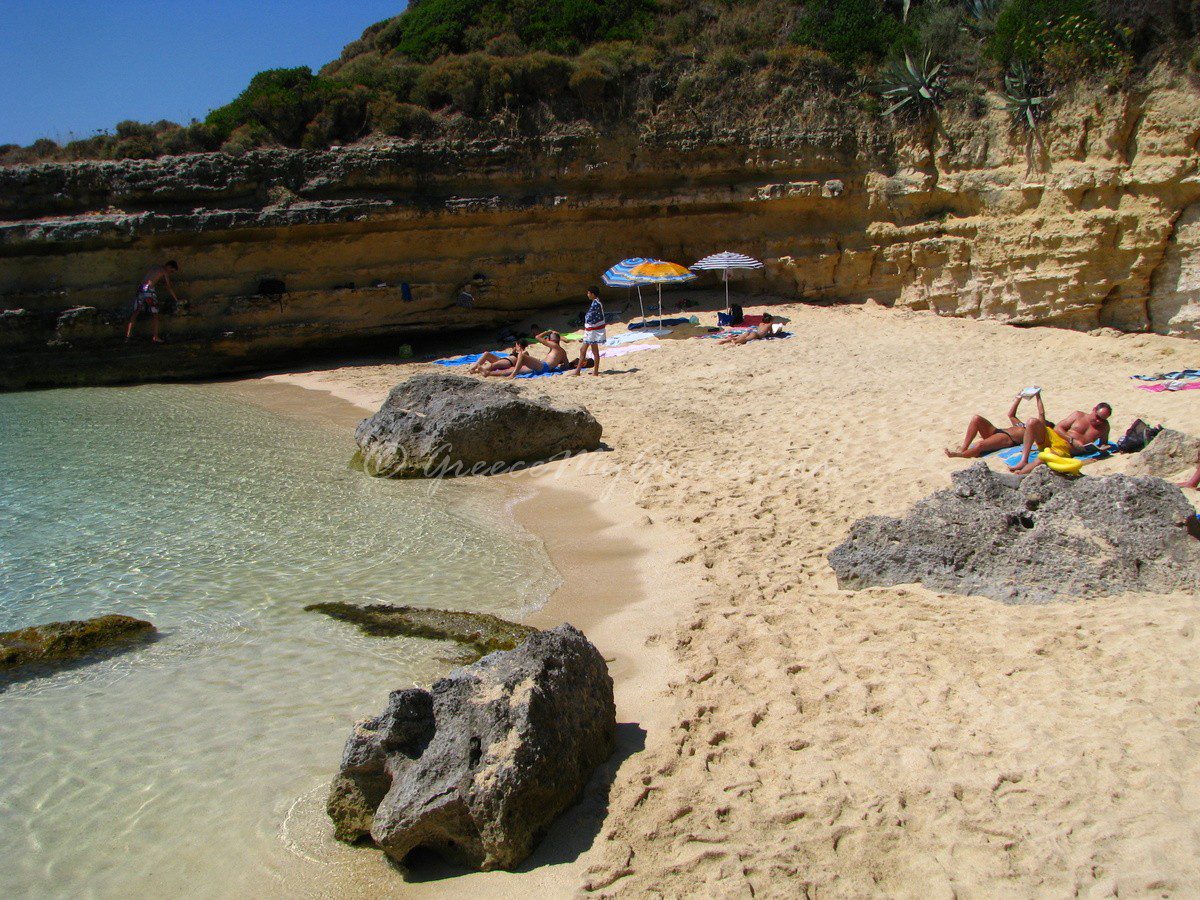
x,y
1093,221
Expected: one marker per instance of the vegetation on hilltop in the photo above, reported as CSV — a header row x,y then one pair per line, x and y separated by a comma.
x,y
466,66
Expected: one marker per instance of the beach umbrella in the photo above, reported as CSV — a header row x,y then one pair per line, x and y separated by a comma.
x,y
725,262
657,272
618,276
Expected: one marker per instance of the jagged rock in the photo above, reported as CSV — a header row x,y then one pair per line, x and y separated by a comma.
x,y
61,643
1172,453
478,766
1052,538
482,632
444,425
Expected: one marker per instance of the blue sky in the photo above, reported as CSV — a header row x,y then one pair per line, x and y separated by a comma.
x,y
70,67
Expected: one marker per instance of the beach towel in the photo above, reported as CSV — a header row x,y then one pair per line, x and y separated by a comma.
x,y
1012,455
654,323
1169,376
464,360
1170,386
732,332
610,352
629,337
607,353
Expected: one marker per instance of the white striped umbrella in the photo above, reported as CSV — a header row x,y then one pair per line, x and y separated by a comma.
x,y
724,262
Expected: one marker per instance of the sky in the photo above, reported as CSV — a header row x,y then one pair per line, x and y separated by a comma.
x,y
71,67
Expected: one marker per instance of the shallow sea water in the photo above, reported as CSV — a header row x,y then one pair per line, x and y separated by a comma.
x,y
196,766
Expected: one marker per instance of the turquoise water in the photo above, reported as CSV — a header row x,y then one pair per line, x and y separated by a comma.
x,y
196,765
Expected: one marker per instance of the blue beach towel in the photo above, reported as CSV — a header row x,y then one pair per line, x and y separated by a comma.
x,y
1012,455
462,360
1169,376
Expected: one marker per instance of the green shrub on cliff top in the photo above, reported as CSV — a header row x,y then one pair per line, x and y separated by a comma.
x,y
1068,35
433,28
281,101
851,31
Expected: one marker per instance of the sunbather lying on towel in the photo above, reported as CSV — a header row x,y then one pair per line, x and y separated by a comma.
x,y
983,437
1194,481
1068,438
499,363
762,331
555,360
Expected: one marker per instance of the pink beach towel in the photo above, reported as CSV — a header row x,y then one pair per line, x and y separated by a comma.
x,y
1170,386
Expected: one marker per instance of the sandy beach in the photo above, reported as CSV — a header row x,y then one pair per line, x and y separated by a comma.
x,y
785,737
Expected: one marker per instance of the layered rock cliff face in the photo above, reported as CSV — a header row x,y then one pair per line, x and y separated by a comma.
x,y
1093,222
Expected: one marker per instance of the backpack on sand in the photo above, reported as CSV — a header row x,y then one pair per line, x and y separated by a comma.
x,y
1137,437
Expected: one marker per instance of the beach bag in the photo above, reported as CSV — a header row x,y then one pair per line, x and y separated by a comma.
x,y
733,317
1137,437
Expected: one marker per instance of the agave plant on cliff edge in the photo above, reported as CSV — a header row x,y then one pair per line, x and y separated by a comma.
x,y
1022,97
911,86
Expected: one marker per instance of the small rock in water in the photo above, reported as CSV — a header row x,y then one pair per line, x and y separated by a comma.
x,y
58,644
482,632
477,767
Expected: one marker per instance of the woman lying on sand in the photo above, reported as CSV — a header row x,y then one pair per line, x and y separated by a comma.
x,y
762,331
555,360
499,364
988,438
1194,481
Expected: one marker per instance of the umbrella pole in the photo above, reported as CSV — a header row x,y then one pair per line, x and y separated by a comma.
x,y
660,315
641,305
728,308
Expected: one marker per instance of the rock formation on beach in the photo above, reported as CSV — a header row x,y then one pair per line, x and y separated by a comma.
x,y
1095,224
482,632
62,643
477,767
1172,454
1049,538
437,425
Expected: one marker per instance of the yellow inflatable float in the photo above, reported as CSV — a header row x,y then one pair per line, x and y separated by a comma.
x,y
1064,465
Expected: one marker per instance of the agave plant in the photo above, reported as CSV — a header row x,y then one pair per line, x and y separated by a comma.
x,y
980,15
1022,97
913,86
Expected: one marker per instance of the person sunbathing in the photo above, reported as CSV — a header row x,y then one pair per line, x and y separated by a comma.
x,y
1194,481
765,330
983,437
1068,438
498,363
556,359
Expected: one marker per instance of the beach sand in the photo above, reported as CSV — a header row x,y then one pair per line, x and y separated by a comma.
x,y
803,739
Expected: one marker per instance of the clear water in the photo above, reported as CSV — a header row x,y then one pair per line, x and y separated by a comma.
x,y
196,766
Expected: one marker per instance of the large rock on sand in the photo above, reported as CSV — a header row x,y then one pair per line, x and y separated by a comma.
x,y
62,643
476,767
1171,454
437,425
1048,538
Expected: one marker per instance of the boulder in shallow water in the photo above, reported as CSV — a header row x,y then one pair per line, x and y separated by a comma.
x,y
444,425
1050,538
477,767
61,643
